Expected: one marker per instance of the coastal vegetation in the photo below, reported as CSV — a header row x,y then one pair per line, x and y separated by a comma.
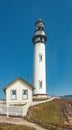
x,y
54,115
4,126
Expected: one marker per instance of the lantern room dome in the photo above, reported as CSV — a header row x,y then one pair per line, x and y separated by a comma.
x,y
39,34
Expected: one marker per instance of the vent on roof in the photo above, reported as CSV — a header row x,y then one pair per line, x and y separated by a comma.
x,y
28,78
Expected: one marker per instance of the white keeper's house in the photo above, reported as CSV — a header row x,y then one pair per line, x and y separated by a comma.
x,y
20,91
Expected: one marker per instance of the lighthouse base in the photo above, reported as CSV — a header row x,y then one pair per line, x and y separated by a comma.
x,y
40,96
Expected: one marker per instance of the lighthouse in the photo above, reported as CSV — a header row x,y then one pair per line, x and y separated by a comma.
x,y
39,60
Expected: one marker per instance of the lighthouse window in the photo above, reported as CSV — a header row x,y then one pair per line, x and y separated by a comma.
x,y
41,28
40,84
41,38
40,57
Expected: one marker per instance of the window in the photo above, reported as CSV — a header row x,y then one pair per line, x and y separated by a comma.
x,y
25,94
40,84
13,94
41,28
40,57
41,38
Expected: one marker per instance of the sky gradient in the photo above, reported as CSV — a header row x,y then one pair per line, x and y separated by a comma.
x,y
17,19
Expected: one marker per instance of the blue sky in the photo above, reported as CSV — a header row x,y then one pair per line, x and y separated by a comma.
x,y
17,18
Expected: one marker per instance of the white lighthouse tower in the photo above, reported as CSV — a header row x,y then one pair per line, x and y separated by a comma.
x,y
39,63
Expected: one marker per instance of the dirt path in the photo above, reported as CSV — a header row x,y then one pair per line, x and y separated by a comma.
x,y
19,121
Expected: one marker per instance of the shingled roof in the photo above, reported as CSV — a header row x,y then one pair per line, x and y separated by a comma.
x,y
18,79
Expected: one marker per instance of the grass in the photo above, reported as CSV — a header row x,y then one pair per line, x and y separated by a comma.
x,y
14,127
47,115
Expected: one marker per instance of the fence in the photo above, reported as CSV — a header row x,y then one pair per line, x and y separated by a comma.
x,y
39,102
11,110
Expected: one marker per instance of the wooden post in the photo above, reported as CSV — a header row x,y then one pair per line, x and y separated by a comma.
x,y
7,110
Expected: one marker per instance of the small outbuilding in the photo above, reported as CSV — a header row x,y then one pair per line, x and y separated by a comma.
x,y
18,91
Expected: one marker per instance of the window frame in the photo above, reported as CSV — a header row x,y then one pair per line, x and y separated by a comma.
x,y
24,98
40,84
40,57
13,94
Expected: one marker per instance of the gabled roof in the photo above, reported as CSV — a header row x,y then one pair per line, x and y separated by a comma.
x,y
18,79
